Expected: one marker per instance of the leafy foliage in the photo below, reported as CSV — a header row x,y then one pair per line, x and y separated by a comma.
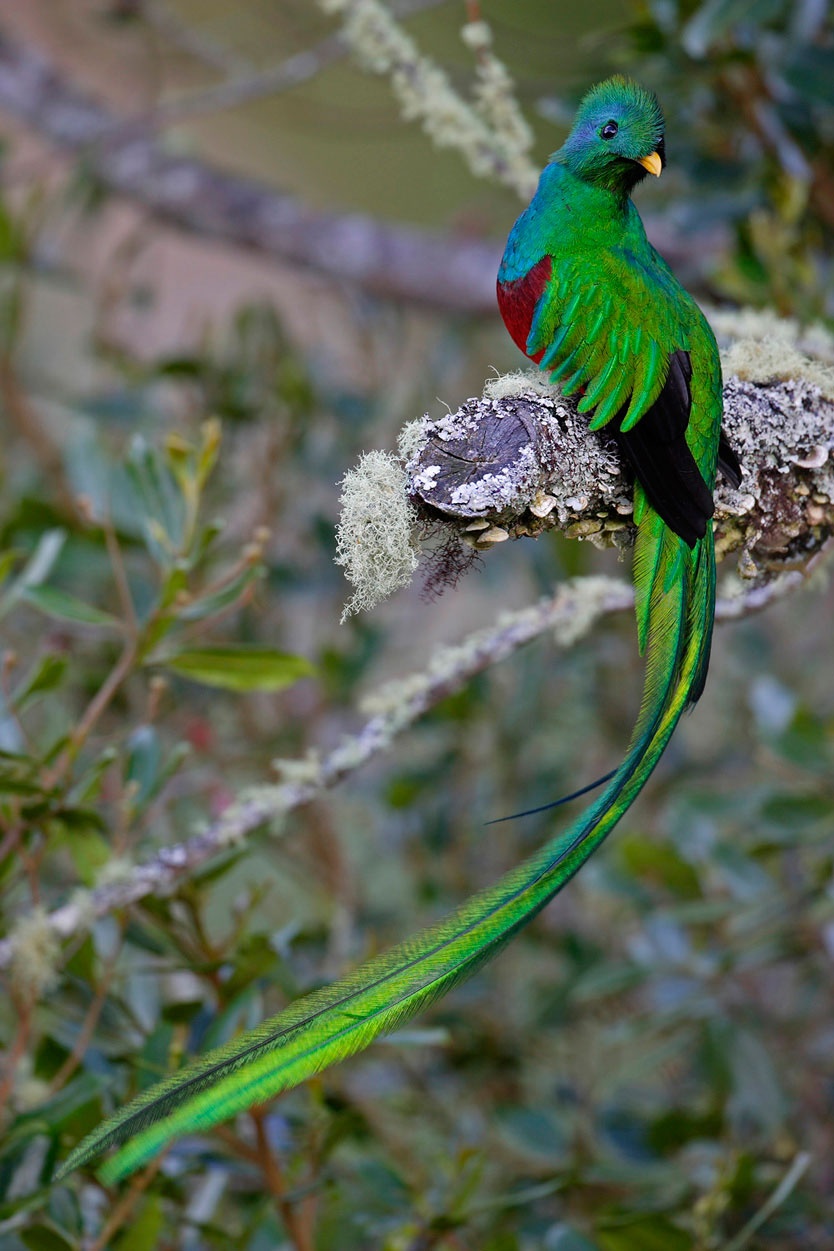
x,y
751,86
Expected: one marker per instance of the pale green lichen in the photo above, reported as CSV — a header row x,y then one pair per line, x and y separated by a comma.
x,y
730,325
491,134
496,101
519,382
773,359
235,822
410,438
590,596
386,699
28,1092
304,771
117,871
374,541
352,752
35,954
759,346
82,903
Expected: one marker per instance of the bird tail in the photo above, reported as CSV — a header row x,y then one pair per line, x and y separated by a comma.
x,y
675,587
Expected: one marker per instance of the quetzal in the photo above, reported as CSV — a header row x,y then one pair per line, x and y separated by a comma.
x,y
585,295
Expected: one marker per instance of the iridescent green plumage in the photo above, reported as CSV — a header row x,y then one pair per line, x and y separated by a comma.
x,y
584,294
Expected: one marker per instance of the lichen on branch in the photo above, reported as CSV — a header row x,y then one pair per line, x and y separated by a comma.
x,y
520,460
489,131
374,542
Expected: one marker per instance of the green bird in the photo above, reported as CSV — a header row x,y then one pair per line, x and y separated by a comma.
x,y
585,295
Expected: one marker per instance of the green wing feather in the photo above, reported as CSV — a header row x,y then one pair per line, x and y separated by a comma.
x,y
611,337
343,1018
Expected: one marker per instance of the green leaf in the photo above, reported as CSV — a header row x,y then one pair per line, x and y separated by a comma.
x,y
811,73
87,848
144,761
239,668
148,767
46,1238
45,676
55,603
711,20
533,1131
648,859
790,815
142,1234
12,237
7,560
37,569
650,1233
208,451
159,501
221,599
89,784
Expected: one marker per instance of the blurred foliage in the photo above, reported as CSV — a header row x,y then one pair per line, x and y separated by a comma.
x,y
649,1066
752,85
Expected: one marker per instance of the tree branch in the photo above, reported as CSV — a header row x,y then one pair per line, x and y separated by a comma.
x,y
521,460
450,272
246,85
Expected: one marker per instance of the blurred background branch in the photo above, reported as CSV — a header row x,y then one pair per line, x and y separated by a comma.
x,y
449,272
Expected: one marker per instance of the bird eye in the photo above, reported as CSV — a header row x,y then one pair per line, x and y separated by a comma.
x,y
609,130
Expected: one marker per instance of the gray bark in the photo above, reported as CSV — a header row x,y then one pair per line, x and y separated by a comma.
x,y
526,463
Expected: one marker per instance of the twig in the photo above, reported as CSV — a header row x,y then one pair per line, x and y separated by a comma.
x,y
780,1194
122,1210
16,1051
85,1034
117,564
296,1227
184,36
246,86
97,705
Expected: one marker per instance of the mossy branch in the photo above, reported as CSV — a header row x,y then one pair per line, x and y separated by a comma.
x,y
523,461
520,460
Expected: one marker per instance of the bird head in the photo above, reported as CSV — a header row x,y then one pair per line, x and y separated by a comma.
x,y
617,137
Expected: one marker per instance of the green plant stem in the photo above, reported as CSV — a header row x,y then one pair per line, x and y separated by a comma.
x,y
780,1194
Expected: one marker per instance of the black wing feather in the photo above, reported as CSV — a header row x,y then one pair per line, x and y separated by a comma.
x,y
657,448
728,462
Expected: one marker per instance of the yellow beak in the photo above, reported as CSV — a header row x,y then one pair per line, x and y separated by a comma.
x,y
652,163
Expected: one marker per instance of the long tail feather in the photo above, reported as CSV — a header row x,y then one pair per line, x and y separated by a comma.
x,y
676,594
555,803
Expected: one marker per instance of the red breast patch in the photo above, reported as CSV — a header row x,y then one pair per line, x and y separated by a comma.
x,y
517,302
